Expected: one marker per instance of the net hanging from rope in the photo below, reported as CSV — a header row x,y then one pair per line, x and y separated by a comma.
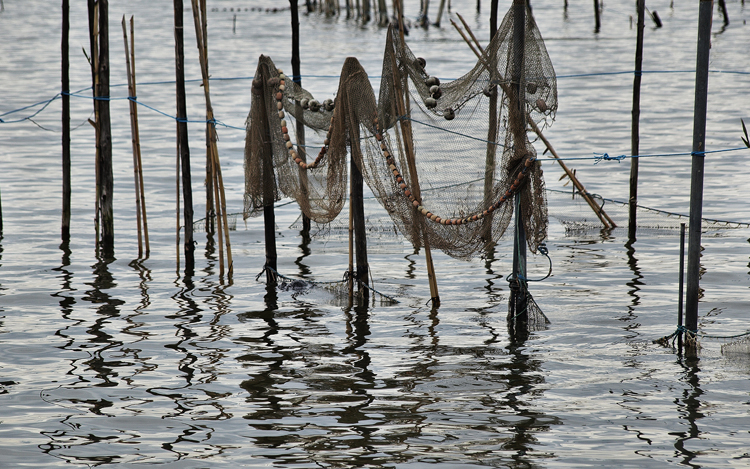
x,y
443,159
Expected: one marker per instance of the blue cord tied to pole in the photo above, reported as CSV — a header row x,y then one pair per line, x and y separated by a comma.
x,y
603,156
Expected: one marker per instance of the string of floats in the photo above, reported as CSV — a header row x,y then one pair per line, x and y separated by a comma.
x,y
280,85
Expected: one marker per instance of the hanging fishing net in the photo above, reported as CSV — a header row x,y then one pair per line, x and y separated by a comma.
x,y
444,159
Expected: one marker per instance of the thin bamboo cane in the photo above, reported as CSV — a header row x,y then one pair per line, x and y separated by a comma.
x,y
129,70
199,17
403,110
600,213
140,162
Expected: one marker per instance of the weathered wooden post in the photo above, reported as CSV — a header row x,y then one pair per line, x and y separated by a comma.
x,y
635,123
518,297
99,36
696,177
183,148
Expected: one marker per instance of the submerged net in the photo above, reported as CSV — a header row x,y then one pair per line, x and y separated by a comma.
x,y
443,159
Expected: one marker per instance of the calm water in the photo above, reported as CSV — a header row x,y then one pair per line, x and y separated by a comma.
x,y
122,362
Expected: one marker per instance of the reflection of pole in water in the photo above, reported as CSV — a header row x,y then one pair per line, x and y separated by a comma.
x,y
689,409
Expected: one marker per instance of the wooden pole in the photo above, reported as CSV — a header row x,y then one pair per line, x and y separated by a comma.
x,y
140,200
199,17
518,291
99,34
696,178
440,13
105,166
635,122
269,216
93,13
357,211
597,18
183,147
65,231
297,78
383,8
403,110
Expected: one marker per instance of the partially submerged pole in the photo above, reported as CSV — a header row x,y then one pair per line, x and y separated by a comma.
x,y
140,198
183,147
99,31
297,78
199,17
597,19
65,232
696,177
681,286
402,103
518,297
635,122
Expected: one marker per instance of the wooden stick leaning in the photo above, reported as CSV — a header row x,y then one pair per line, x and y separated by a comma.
x,y
199,14
599,211
403,110
140,201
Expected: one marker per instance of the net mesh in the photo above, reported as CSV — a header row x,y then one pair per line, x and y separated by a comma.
x,y
443,159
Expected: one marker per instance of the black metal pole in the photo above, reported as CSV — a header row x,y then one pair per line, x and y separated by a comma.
x,y
696,177
518,291
65,120
635,125
182,138
681,286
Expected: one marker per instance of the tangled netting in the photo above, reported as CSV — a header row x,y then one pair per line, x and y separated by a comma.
x,y
427,150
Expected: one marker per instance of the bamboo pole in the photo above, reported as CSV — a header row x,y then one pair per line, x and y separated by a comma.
x,y
696,178
65,231
635,125
140,200
599,211
402,103
199,17
183,147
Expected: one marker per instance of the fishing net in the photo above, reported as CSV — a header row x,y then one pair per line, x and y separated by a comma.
x,y
443,159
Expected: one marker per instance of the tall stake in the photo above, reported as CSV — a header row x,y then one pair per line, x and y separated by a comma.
x,y
597,19
199,17
518,290
140,198
403,110
65,121
93,13
635,126
183,148
696,177
99,30
300,126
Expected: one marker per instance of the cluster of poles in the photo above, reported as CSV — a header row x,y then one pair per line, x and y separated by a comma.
x,y
216,217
